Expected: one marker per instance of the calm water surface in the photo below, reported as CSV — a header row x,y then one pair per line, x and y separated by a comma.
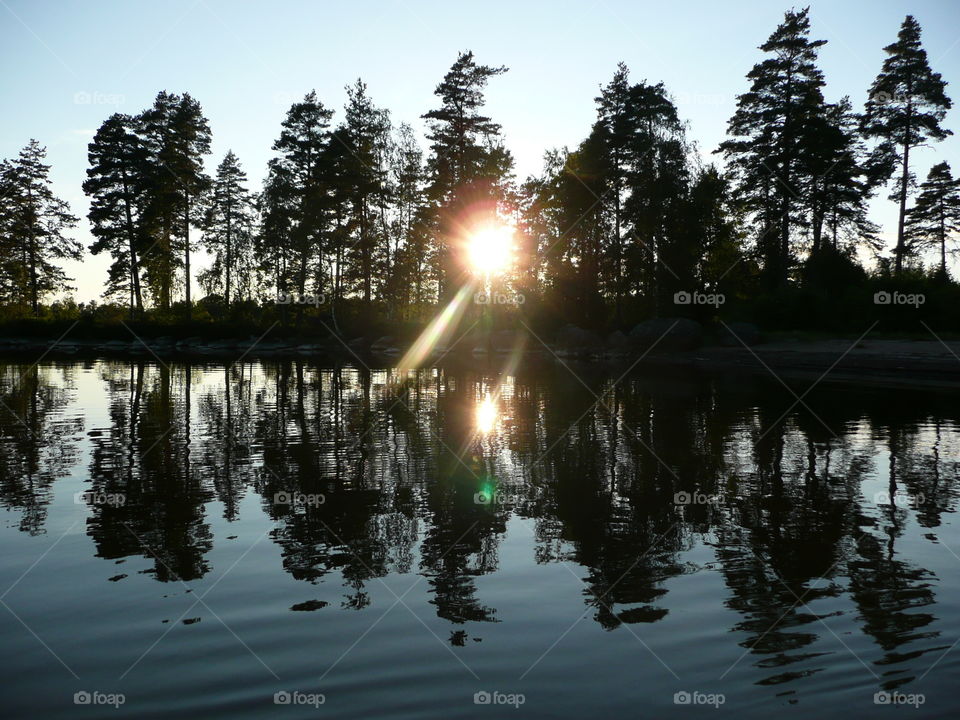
x,y
198,538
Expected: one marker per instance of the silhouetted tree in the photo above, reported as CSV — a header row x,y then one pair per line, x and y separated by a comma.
x,y
34,222
771,140
467,163
936,215
116,183
227,230
906,105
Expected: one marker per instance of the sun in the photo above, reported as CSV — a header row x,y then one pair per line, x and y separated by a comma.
x,y
490,250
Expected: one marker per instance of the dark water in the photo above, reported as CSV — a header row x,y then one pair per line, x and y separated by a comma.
x,y
398,544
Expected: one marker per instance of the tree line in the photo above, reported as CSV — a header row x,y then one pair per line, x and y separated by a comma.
x,y
356,213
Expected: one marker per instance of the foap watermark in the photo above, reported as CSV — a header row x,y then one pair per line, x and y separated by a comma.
x,y
89,497
695,498
295,697
899,499
698,298
95,697
494,298
897,698
301,299
699,698
498,498
884,297
288,497
498,698
884,97
98,98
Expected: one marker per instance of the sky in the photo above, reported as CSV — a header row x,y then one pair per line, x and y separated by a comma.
x,y
69,64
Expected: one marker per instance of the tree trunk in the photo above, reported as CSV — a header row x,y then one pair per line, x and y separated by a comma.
x,y
226,297
131,239
186,256
901,239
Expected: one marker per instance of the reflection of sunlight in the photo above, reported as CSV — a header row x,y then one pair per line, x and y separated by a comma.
x,y
486,415
438,329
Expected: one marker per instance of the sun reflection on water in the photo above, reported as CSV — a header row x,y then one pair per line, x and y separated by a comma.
x,y
487,413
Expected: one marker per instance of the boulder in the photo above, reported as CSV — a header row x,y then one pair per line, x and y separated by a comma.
x,y
667,335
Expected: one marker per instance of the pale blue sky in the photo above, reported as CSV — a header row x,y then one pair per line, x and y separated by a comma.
x,y
68,65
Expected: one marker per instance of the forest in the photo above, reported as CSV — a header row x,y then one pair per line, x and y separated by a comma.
x,y
357,226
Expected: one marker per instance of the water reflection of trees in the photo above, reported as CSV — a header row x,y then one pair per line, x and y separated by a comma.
x,y
398,460
38,442
146,457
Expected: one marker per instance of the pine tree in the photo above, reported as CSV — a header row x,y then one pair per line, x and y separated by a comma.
x,y
467,163
116,186
35,221
404,183
176,136
935,216
365,133
839,181
162,216
277,211
227,224
192,134
906,105
771,138
305,168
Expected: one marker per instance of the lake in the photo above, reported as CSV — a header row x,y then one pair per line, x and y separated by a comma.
x,y
287,539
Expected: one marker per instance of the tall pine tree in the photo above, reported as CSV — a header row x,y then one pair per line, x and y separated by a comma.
x,y
467,164
116,185
907,103
771,138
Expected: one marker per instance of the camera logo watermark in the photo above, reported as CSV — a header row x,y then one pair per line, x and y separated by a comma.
x,y
482,298
95,697
498,498
98,98
884,97
899,499
898,298
288,497
695,498
299,299
698,298
698,698
896,698
295,697
498,698
88,497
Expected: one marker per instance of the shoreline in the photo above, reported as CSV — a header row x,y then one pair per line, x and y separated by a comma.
x,y
880,363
